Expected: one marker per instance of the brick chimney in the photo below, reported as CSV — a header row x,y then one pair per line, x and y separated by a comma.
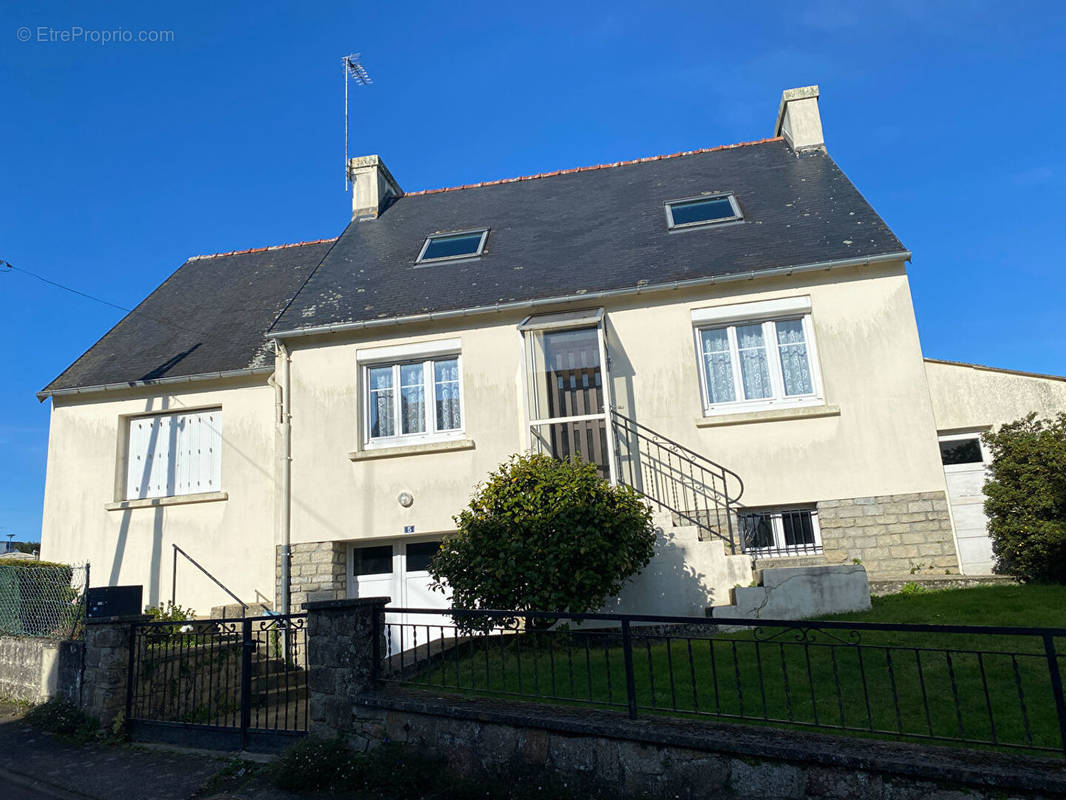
x,y
798,120
373,187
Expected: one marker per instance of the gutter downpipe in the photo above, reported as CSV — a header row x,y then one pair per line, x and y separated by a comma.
x,y
285,419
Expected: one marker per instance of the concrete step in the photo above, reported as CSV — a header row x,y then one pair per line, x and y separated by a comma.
x,y
233,610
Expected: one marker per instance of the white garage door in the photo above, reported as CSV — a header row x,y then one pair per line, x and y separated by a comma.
x,y
399,569
966,470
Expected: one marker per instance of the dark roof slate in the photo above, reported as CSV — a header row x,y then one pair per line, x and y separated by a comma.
x,y
561,234
209,316
593,230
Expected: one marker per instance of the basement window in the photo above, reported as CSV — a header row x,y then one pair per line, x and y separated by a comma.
x,y
698,211
450,246
780,532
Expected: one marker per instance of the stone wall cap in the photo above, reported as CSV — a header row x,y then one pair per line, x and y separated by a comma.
x,y
354,602
113,620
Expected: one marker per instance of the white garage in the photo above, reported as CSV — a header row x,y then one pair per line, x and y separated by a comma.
x,y
966,460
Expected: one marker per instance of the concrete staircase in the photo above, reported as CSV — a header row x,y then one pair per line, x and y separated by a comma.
x,y
685,576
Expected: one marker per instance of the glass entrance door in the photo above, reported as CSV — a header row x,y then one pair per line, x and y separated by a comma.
x,y
568,391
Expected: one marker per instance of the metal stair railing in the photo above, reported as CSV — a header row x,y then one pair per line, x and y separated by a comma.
x,y
693,488
195,563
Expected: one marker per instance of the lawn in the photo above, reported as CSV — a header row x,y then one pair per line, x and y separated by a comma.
x,y
978,689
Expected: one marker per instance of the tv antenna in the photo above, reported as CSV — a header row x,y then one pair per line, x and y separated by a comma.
x,y
353,71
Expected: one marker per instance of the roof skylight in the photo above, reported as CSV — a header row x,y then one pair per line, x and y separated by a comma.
x,y
448,246
702,211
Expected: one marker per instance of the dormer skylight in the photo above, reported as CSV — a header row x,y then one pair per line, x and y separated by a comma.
x,y
697,211
452,246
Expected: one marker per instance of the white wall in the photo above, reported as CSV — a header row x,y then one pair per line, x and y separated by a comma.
x,y
969,397
233,538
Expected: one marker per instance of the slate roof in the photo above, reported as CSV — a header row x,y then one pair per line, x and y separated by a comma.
x,y
209,316
593,230
568,233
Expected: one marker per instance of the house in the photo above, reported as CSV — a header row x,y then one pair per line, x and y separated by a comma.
x,y
730,330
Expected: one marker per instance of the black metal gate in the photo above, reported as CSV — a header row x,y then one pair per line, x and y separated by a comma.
x,y
219,683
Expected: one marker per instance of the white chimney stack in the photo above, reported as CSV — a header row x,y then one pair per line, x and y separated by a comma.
x,y
372,186
798,120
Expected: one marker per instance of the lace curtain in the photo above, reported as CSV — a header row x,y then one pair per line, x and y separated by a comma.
x,y
754,368
718,366
381,405
795,365
446,388
413,398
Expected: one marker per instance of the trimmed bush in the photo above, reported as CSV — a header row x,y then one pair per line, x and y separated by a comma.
x,y
1026,498
545,535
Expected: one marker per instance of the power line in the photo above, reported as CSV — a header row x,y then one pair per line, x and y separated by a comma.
x,y
8,266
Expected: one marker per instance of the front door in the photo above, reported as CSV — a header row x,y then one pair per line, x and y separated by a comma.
x,y
567,389
965,472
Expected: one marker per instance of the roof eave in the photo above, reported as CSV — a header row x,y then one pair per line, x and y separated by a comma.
x,y
44,394
316,330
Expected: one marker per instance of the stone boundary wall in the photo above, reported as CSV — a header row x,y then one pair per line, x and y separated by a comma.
x,y
319,571
656,757
890,534
886,585
692,761
35,670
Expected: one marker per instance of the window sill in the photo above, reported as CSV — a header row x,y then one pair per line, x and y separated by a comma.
x,y
177,500
769,415
447,446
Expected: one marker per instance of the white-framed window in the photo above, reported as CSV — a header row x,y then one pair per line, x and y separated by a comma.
x,y
414,399
765,360
780,531
174,454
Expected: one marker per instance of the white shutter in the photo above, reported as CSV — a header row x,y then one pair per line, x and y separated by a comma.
x,y
174,454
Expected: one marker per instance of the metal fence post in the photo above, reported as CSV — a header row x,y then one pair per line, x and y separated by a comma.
x,y
631,684
130,675
247,646
377,634
1056,685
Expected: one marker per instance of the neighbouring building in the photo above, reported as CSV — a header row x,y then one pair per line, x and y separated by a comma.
x,y
730,330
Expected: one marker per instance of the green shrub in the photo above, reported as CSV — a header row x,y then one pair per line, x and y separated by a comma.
x,y
64,719
171,612
544,535
1026,498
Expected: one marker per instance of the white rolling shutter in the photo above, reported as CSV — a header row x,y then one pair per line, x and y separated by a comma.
x,y
174,454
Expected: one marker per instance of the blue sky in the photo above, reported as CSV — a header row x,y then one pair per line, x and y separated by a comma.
x,y
119,160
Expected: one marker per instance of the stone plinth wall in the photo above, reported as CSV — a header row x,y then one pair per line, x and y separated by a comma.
x,y
35,670
319,571
107,661
341,653
890,534
664,758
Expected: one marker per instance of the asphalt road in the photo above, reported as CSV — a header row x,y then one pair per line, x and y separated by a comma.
x,y
14,788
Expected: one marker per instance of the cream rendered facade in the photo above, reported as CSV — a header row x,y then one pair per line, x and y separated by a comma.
x,y
230,532
872,439
875,434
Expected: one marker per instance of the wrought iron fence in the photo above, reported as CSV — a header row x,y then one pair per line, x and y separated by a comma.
x,y
973,685
249,675
42,599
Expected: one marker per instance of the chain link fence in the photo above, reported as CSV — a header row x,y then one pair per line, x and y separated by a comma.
x,y
42,599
